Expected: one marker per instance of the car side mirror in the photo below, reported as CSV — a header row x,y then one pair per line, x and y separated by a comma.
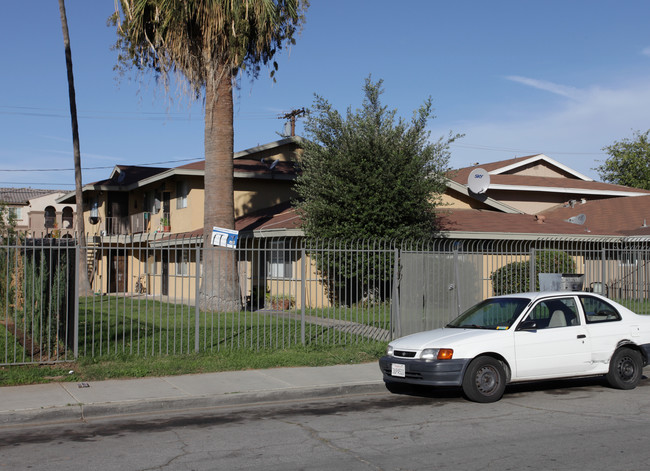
x,y
527,325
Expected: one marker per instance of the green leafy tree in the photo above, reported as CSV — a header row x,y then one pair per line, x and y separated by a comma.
x,y
208,42
368,175
629,162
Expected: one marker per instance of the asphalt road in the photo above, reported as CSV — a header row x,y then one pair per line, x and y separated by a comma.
x,y
568,425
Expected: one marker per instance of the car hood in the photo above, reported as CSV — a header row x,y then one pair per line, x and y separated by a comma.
x,y
444,338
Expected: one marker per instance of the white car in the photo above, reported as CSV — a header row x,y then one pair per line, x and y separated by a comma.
x,y
524,337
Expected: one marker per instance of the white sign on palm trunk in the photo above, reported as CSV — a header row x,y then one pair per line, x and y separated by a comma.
x,y
224,237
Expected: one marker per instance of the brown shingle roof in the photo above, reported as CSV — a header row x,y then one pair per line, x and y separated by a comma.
x,y
625,216
460,175
250,166
568,181
132,174
550,182
280,216
471,220
22,195
615,216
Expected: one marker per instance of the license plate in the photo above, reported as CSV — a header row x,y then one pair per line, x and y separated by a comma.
x,y
397,369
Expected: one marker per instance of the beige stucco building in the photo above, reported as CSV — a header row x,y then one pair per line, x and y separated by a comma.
x,y
145,224
37,213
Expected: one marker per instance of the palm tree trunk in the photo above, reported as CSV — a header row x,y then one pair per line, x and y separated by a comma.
x,y
220,285
82,269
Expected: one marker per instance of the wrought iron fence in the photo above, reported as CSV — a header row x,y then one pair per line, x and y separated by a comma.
x,y
156,294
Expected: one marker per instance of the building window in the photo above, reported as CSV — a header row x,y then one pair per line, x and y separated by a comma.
x,y
152,265
50,217
279,262
152,201
182,262
67,217
182,190
15,213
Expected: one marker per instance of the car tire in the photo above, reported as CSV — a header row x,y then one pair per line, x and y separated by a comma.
x,y
484,380
625,369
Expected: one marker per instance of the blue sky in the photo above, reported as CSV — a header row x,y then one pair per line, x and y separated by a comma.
x,y
564,78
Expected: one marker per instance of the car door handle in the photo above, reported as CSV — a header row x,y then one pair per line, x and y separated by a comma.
x,y
582,336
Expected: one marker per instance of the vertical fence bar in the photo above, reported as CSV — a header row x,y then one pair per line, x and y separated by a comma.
x,y
395,315
303,292
197,310
77,257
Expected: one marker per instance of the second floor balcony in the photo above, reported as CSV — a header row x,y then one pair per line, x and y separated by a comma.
x,y
137,223
117,226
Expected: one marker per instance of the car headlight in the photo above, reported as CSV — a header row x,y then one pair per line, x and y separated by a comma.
x,y
389,351
437,354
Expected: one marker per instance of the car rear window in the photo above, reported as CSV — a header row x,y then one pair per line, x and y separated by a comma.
x,y
597,310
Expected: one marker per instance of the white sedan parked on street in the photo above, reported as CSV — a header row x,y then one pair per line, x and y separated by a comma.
x,y
524,337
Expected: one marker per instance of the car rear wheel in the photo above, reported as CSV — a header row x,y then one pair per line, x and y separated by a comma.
x,y
484,380
625,369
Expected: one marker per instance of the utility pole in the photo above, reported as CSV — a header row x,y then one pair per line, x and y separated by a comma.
x,y
291,116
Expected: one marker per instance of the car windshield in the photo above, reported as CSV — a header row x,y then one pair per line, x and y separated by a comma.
x,y
494,313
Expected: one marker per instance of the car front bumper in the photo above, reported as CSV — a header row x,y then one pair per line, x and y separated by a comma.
x,y
426,372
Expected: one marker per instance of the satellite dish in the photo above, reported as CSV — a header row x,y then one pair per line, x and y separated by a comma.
x,y
579,219
478,181
275,162
287,129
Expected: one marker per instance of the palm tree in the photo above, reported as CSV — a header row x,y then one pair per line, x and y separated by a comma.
x,y
82,275
208,42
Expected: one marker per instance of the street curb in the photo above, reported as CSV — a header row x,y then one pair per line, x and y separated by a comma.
x,y
82,412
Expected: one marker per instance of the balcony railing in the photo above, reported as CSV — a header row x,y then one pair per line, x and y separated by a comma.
x,y
137,223
140,222
117,226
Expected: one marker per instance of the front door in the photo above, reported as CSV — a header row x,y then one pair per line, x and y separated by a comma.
x,y
118,274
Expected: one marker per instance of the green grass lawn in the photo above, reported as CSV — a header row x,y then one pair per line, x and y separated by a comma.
x,y
119,325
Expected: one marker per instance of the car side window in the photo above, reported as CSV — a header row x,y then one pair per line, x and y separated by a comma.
x,y
597,310
552,313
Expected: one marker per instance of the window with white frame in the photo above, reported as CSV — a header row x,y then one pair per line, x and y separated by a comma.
x,y
279,260
182,190
182,262
15,213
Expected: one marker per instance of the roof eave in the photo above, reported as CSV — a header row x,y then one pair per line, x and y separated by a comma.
x,y
567,190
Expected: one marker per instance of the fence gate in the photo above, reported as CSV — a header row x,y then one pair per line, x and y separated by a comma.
x,y
435,287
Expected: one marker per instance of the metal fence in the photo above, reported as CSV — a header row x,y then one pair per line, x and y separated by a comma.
x,y
168,295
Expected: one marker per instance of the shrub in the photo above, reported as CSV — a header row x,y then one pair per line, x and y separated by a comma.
x,y
515,277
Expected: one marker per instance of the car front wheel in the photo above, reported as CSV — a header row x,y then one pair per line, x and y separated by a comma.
x,y
484,380
625,369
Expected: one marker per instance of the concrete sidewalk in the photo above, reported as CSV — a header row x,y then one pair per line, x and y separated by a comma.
x,y
65,402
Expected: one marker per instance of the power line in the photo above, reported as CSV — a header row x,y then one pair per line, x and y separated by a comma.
x,y
137,116
150,164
